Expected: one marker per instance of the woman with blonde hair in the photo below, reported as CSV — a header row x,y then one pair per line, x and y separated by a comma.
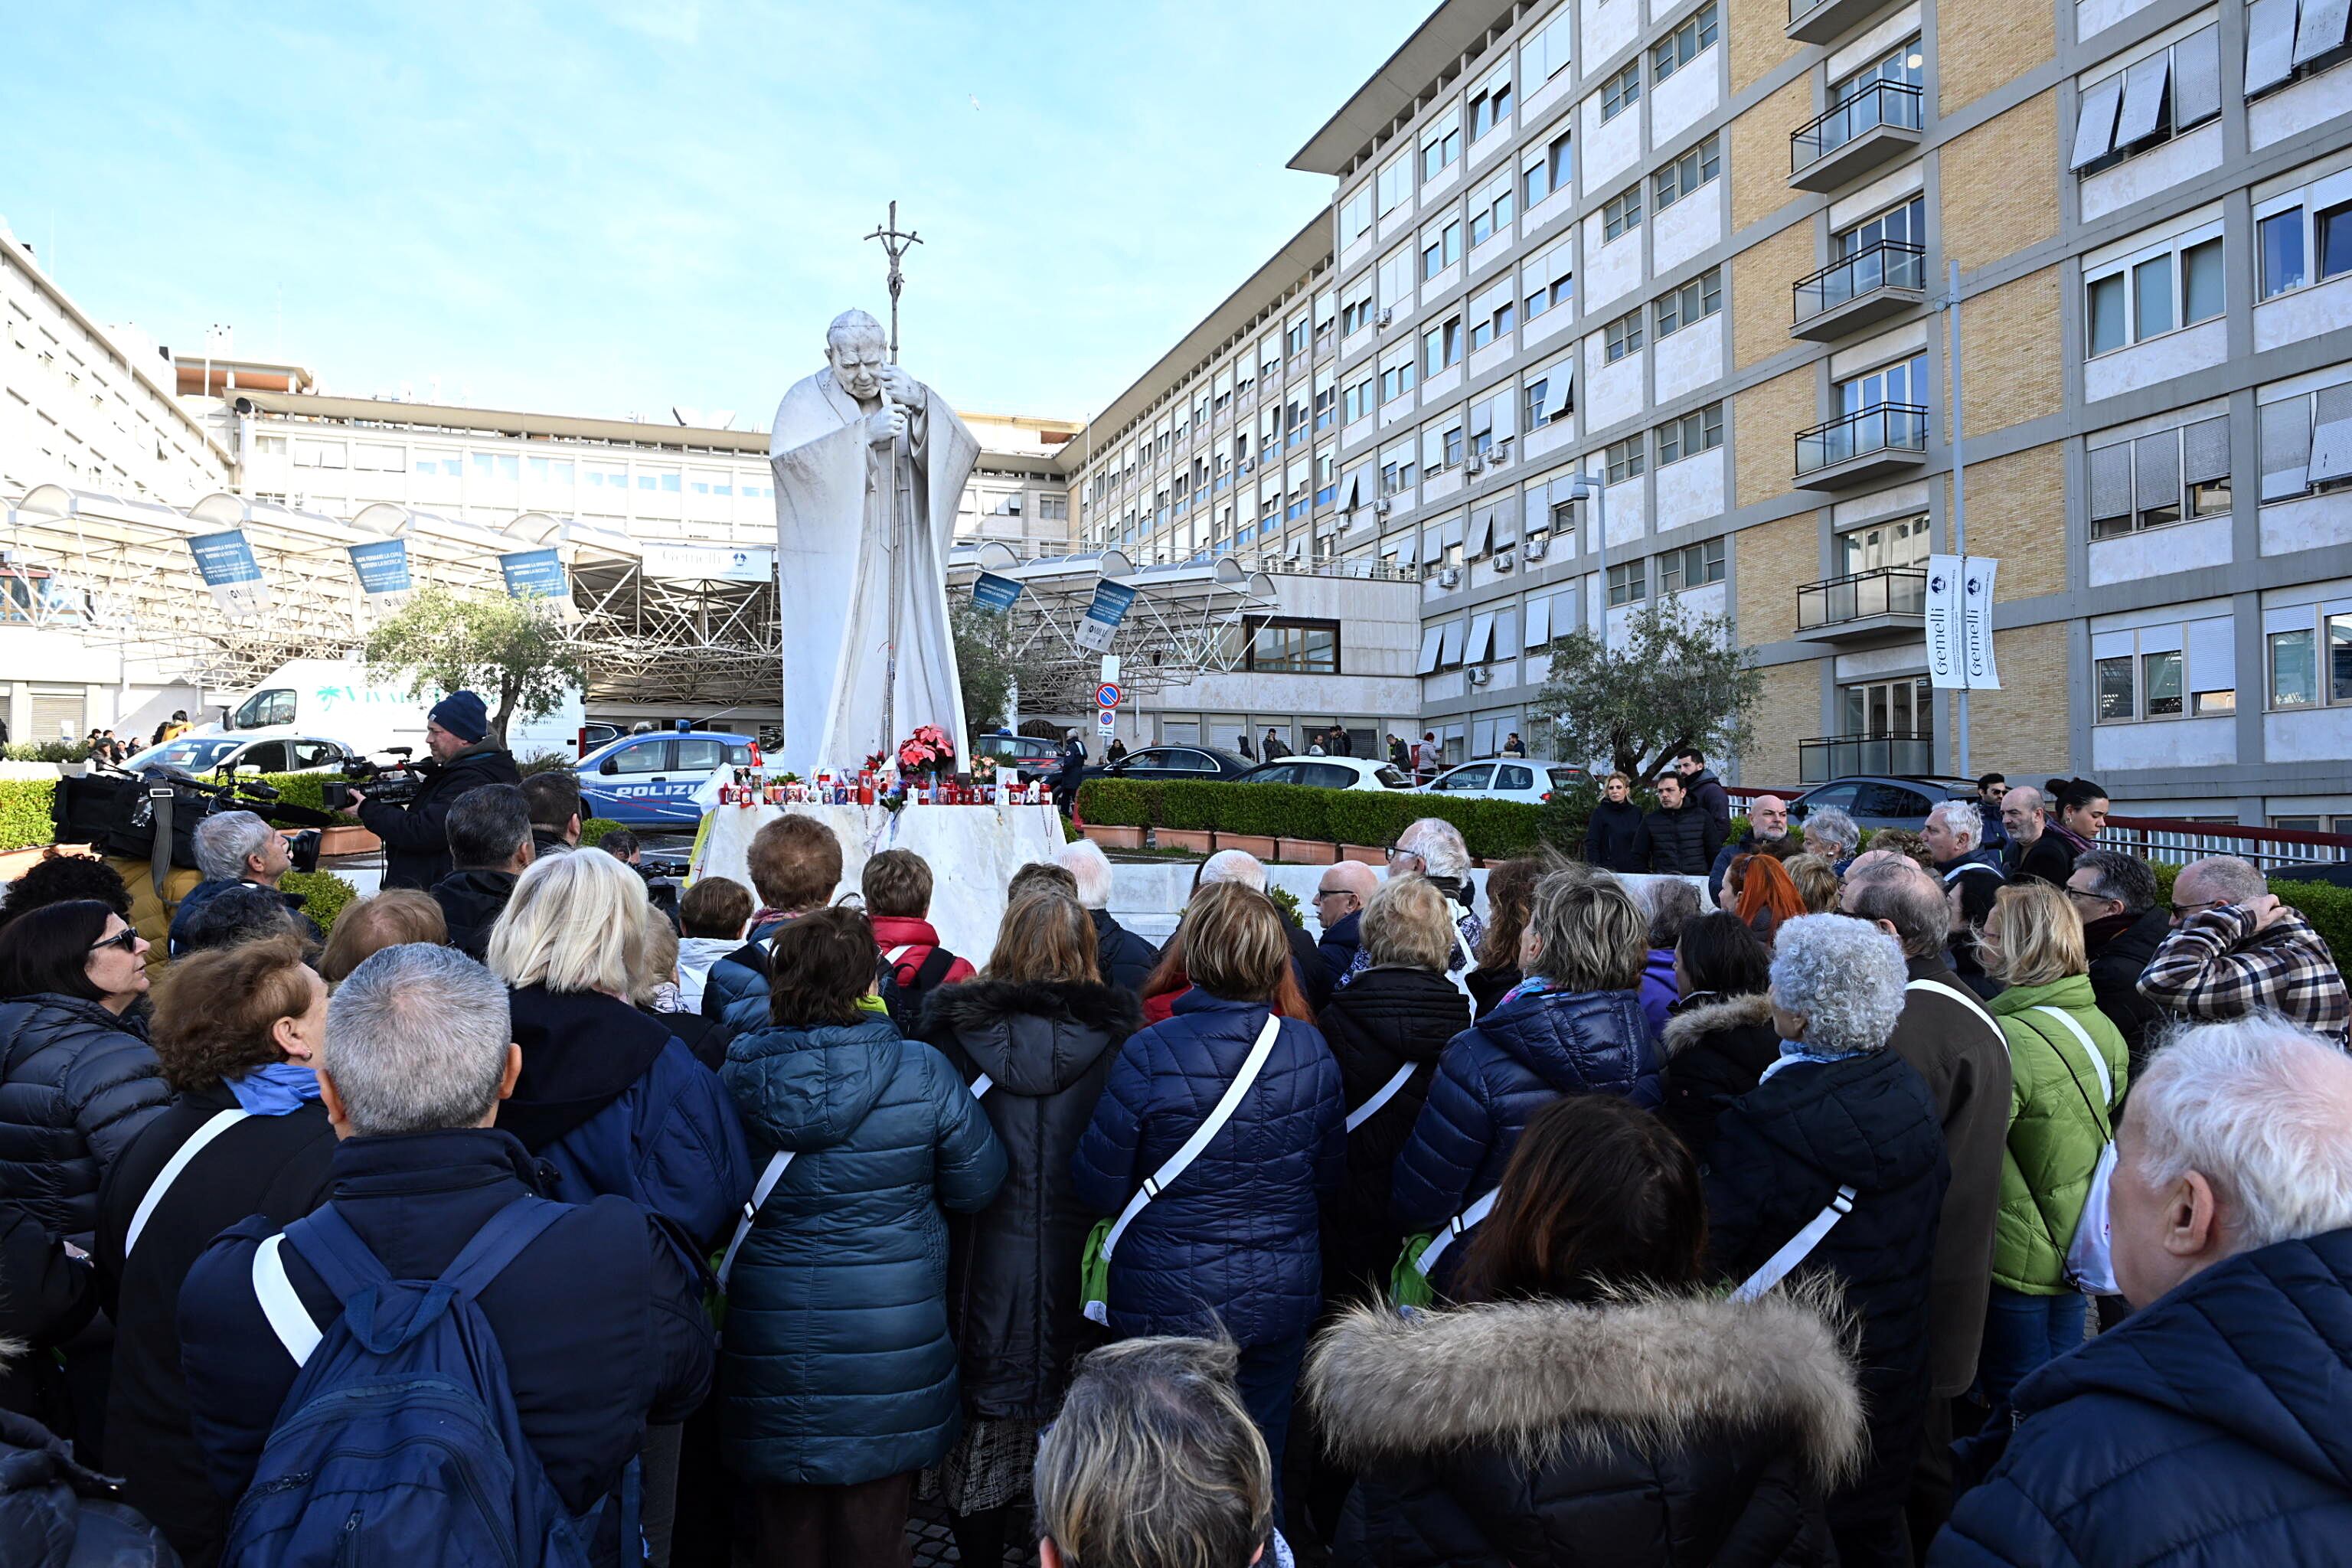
x,y
1232,1240
2068,1065
1817,882
1035,1033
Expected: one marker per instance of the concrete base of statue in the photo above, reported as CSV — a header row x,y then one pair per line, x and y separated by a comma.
x,y
973,851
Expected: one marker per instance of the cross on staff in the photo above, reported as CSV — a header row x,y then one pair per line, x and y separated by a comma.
x,y
895,245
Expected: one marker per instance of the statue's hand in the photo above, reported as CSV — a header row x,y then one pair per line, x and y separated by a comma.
x,y
887,427
903,388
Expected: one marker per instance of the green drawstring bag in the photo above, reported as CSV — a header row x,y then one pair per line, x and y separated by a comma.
x,y
1408,1284
1094,1275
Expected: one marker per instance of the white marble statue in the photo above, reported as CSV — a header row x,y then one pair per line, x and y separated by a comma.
x,y
870,465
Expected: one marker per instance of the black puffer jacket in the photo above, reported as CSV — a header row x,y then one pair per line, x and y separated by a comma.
x,y
1127,960
1012,1267
1613,841
1716,1048
2120,947
76,1084
1387,1017
56,1514
1653,1432
471,901
1680,842
416,834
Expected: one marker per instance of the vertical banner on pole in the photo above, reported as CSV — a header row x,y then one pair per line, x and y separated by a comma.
x,y
1977,574
1943,617
1103,617
1959,623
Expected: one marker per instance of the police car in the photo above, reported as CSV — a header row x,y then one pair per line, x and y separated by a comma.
x,y
649,780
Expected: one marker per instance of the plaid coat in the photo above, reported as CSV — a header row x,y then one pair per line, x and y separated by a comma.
x,y
2216,965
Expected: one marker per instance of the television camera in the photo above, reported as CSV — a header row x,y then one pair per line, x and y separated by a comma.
x,y
394,783
153,815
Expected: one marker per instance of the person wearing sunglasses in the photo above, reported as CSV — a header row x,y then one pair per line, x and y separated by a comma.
x,y
79,1078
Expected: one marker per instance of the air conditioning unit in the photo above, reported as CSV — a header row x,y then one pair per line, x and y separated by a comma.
x,y
1382,506
1384,318
1476,463
1503,560
1248,463
1500,452
1449,577
1536,548
1478,675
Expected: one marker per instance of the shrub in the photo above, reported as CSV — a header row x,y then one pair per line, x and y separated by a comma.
x,y
1189,806
299,789
26,817
326,892
1283,899
592,832
1371,817
47,751
2327,907
547,762
1118,803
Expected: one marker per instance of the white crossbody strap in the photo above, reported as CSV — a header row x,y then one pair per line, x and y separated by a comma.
x,y
289,1318
1797,1249
898,953
1380,1096
772,1173
1472,1215
1158,1180
2091,1049
220,1122
1962,998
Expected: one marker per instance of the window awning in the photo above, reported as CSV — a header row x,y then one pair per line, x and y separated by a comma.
x,y
2269,43
1482,638
1539,631
2196,76
2094,125
2331,438
2207,458
2143,105
1431,640
2286,448
1452,654
2322,29
2155,469
2111,481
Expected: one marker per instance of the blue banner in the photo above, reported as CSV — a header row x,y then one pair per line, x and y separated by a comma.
x,y
382,566
993,593
222,559
536,574
1104,615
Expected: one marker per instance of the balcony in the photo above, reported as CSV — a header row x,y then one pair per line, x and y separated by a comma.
x,y
1874,282
1819,21
1836,756
1869,444
1863,604
1876,123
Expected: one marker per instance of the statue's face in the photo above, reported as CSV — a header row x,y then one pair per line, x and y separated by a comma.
x,y
857,363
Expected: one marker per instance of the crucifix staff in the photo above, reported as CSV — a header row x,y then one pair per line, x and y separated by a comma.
x,y
895,245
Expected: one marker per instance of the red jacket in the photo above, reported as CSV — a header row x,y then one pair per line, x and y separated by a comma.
x,y
919,939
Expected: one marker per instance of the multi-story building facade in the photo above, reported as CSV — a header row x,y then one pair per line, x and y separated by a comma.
x,y
1687,259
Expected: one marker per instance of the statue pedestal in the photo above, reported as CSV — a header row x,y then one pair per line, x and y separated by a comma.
x,y
973,851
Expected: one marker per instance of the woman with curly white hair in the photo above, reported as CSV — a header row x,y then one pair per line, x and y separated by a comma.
x,y
1842,1128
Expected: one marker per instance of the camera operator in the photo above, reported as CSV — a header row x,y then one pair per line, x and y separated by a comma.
x,y
416,834
237,850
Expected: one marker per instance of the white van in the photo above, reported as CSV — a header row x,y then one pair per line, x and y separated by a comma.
x,y
335,699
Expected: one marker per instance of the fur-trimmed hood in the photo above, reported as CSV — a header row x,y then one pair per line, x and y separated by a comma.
x,y
1687,1029
1031,1039
1543,1379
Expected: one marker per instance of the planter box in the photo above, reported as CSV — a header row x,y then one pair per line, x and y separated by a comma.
x,y
1115,837
1364,854
1306,851
1192,840
1256,844
348,841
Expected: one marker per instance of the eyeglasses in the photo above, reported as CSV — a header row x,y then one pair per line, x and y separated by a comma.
x,y
127,939
2090,898
2182,912
1323,893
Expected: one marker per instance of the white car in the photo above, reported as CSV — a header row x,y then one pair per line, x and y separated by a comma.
x,y
203,754
1505,778
1328,772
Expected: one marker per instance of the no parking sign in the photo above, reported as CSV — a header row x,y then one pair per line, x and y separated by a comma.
x,y
1105,709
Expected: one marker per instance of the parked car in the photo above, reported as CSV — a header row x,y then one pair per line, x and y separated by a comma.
x,y
648,781
203,754
594,735
1505,778
1165,765
1884,800
1328,772
1028,756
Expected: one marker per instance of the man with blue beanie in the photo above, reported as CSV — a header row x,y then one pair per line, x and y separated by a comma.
x,y
466,756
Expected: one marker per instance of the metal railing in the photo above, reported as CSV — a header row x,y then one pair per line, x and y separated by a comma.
x,y
1882,102
1889,264
1834,756
1881,591
1887,427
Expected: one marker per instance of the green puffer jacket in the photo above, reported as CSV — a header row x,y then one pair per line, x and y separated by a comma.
x,y
2054,1131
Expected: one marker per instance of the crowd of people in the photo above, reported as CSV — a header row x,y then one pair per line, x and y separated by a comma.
x,y
1810,1203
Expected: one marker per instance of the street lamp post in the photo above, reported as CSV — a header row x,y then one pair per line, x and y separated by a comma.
x,y
1584,487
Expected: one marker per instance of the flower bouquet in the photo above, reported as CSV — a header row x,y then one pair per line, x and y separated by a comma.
x,y
927,753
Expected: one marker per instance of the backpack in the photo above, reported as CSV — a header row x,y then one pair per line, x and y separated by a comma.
x,y
399,1441
905,1002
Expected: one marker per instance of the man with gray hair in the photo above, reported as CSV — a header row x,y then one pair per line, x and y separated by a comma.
x,y
598,1317
235,850
2209,1426
1434,848
2236,950
1957,1049
490,845
1124,958
1954,835
1154,1461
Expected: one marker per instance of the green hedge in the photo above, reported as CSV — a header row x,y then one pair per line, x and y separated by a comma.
x,y
592,831
26,818
327,893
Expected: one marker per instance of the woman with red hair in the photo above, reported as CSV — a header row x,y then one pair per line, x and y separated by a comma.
x,y
1767,894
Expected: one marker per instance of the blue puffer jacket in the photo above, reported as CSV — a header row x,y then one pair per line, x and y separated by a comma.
x,y
839,1365
741,975
617,1104
1500,1071
2207,1429
1235,1240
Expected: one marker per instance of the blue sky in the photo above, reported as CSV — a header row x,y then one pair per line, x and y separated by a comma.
x,y
616,207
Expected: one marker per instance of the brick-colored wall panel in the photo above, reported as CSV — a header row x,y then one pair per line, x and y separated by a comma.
x,y
1789,710
1759,152
2010,337
1761,301
2017,514
2001,184
1759,40
2022,730
1772,560
1764,420
1982,44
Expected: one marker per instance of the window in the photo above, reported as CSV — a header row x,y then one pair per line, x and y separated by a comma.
x,y
1686,173
1491,211
1549,396
1620,214
1269,361
1357,402
499,466
1547,281
2279,52
1901,384
1395,183
1695,300
1700,430
1491,107
1326,401
1549,171
2296,249
1396,276
320,455
1904,65
1693,566
2179,286
1684,44
2307,442
2170,477
1399,467
1356,215
1882,546
1496,324
1545,54
1621,91
1440,247
2150,100
1294,648
1399,376
1296,336
1355,314
1622,337
1626,459
2165,671
1628,582
1441,145
1906,224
